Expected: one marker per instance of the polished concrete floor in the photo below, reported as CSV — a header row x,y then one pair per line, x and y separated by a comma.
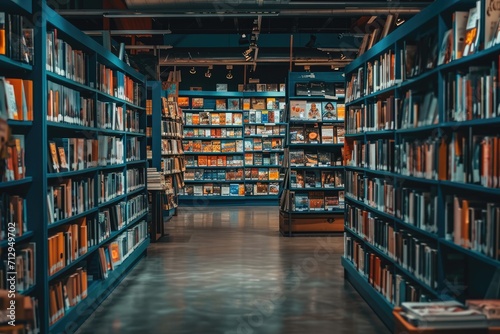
x,y
227,270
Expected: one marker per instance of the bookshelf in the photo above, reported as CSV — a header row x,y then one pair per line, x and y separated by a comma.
x,y
165,125
83,199
312,200
421,156
233,142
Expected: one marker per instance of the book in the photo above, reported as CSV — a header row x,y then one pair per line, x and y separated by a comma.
x,y
312,135
301,202
220,104
298,110
183,102
491,17
329,111
460,19
327,135
233,103
313,111
340,111
258,103
196,102
471,31
221,87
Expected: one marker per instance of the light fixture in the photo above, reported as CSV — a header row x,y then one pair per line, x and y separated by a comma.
x,y
229,74
399,22
342,56
192,70
307,68
312,41
208,74
243,39
370,21
247,54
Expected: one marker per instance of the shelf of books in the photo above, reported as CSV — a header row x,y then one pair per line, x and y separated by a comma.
x,y
18,244
422,161
312,200
77,144
233,142
165,152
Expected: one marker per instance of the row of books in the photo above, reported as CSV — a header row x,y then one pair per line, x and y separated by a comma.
x,y
374,154
16,99
222,146
316,179
15,167
324,134
255,103
472,94
23,264
473,224
13,216
171,146
380,274
380,73
16,37
263,159
67,293
70,197
416,207
71,154
316,111
216,174
247,174
213,118
317,200
171,129
314,158
132,121
214,160
213,132
254,116
173,164
417,255
117,84
170,109
63,59
109,116
372,117
265,130
418,110
67,105
263,144
133,152
111,185
233,189
67,245
136,179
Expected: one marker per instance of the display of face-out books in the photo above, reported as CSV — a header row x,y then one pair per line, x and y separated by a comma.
x,y
313,110
312,135
329,111
298,110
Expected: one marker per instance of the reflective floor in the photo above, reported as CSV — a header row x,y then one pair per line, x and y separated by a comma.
x,y
227,270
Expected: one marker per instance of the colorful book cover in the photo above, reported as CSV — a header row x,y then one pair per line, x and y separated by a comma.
x,y
329,111
197,102
233,104
298,110
220,104
313,111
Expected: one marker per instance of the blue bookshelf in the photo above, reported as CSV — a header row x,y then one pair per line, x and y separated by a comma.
x,y
247,122
419,194
86,78
313,159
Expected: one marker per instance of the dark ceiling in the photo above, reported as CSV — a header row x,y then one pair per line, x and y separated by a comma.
x,y
298,32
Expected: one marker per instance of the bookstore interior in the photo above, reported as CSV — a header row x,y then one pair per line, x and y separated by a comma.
x,y
376,125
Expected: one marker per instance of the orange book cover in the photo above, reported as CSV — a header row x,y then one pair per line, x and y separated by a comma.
x,y
465,239
18,92
443,160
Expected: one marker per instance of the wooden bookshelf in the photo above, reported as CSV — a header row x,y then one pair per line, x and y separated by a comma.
x,y
417,181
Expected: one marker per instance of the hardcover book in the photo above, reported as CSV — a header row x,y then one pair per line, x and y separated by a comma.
x,y
327,136
196,102
220,104
313,111
312,135
301,202
298,110
324,158
233,104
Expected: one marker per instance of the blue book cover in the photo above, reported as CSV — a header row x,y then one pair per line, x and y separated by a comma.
x,y
234,189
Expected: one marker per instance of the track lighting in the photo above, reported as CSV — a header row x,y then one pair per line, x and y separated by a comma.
x,y
229,74
208,74
399,22
307,68
247,54
342,56
192,70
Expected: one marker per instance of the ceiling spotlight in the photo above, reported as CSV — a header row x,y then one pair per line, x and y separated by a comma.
x,y
312,41
243,39
247,54
208,74
192,70
307,68
399,22
229,74
342,56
